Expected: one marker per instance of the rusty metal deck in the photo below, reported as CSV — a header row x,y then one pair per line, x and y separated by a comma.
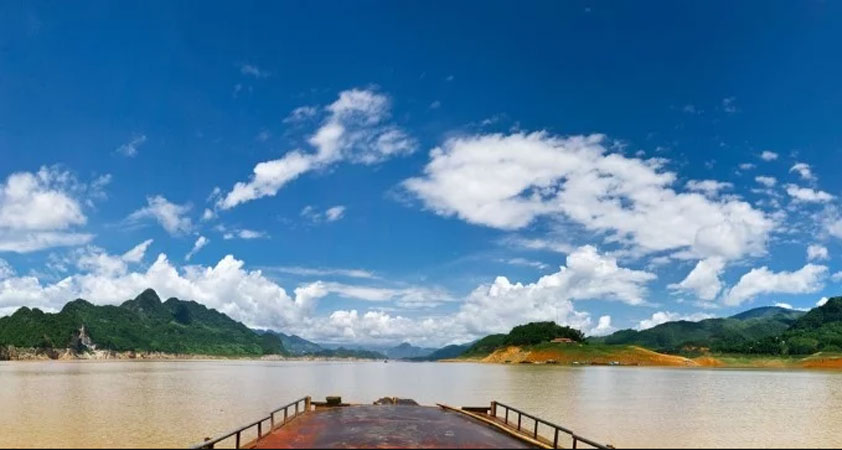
x,y
387,426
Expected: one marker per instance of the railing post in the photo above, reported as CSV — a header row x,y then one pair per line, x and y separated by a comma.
x,y
272,421
507,415
536,428
519,416
260,429
286,413
307,403
296,410
493,409
238,440
574,442
555,439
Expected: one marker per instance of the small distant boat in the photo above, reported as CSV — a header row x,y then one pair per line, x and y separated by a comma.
x,y
398,423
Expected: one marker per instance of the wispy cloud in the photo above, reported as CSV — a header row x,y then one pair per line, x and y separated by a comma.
x,y
129,149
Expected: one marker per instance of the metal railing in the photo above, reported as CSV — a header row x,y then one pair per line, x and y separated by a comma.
x,y
238,433
534,432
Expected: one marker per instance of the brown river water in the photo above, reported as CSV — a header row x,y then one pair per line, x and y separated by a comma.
x,y
177,403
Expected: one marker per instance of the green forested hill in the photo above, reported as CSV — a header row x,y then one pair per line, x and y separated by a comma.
x,y
528,334
734,334
142,324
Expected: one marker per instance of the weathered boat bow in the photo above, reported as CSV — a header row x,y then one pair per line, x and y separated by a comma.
x,y
393,422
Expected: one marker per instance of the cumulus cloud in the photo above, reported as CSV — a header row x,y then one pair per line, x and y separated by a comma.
x,y
709,187
703,280
38,209
822,301
807,195
200,243
603,327
170,216
507,181
808,279
355,130
817,252
769,182
803,170
129,149
662,317
249,296
768,155
137,253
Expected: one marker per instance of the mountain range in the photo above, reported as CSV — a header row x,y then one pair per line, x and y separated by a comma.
x,y
144,324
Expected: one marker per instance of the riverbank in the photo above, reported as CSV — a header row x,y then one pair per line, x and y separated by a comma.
x,y
11,353
630,355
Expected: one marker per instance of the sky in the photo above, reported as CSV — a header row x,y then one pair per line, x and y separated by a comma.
x,y
380,172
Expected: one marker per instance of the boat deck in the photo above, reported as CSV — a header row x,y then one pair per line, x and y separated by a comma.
x,y
392,422
387,426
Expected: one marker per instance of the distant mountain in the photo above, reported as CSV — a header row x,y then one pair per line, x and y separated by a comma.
x,y
408,351
768,311
293,344
348,353
142,324
734,334
447,352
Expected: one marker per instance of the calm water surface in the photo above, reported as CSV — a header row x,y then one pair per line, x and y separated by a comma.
x,y
144,404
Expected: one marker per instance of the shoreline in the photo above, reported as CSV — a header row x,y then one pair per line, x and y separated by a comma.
x,y
14,354
633,356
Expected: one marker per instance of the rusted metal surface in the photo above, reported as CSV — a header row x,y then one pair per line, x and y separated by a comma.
x,y
387,426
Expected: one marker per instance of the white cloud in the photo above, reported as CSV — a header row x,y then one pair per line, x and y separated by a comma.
x,y
803,170
301,114
169,215
728,105
353,131
136,254
507,182
746,166
709,187
129,149
784,305
768,155
817,252
200,243
766,181
703,280
252,70
822,301
836,277
320,272
6,270
331,214
603,327
37,209
245,234
807,195
662,317
526,263
335,213
808,279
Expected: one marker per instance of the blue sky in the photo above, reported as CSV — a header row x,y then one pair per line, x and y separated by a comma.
x,y
675,161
